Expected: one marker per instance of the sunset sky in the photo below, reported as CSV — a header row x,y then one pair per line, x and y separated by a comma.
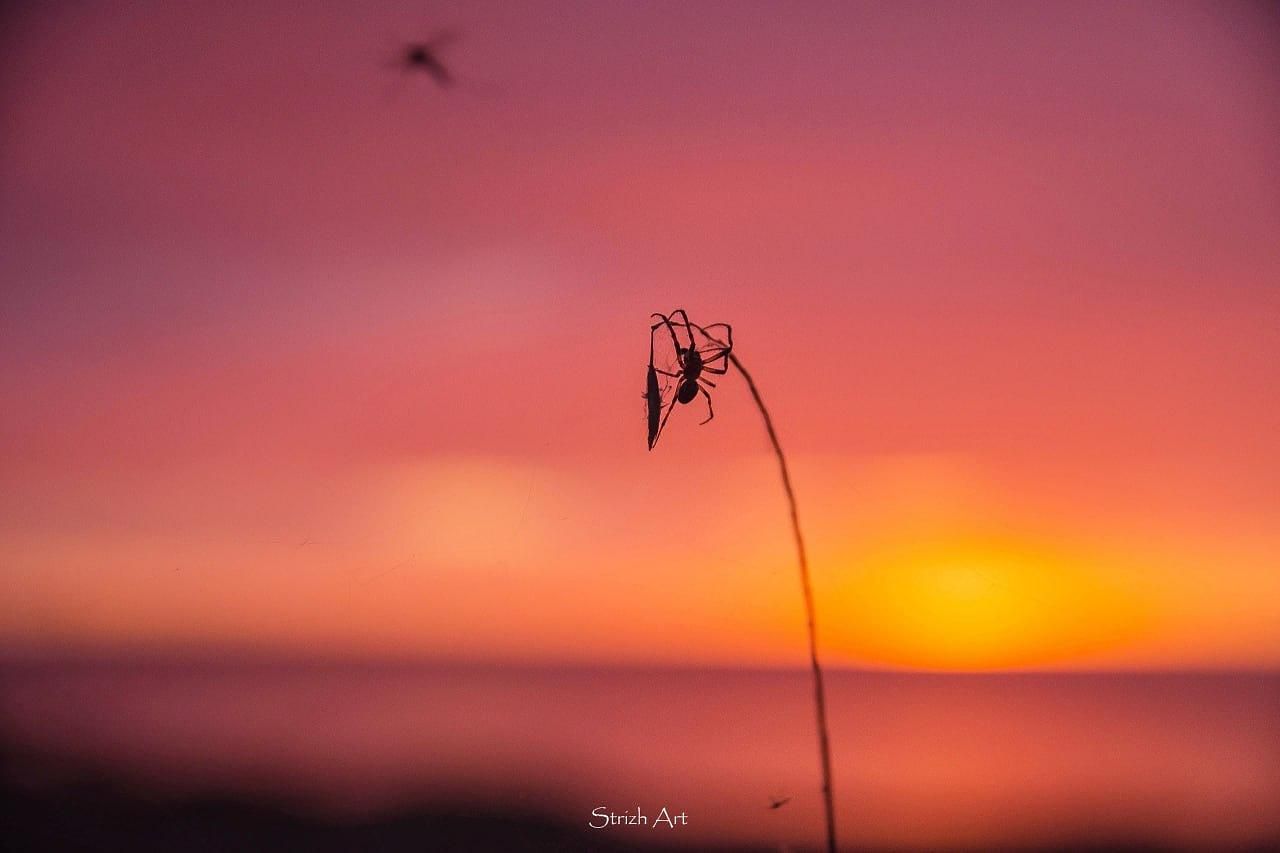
x,y
302,354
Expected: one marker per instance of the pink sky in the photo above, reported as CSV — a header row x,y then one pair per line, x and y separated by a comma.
x,y
301,353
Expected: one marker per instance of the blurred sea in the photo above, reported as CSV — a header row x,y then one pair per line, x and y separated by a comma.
x,y
922,761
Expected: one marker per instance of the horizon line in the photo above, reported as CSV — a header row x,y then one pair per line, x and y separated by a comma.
x,y
234,655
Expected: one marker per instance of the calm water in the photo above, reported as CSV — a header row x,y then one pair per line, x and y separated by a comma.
x,y
920,760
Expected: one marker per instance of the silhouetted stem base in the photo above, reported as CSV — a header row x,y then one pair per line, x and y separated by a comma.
x,y
819,693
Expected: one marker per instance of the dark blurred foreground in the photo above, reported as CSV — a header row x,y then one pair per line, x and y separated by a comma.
x,y
204,754
99,815
94,813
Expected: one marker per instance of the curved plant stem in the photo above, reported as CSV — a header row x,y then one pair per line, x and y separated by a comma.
x,y
819,695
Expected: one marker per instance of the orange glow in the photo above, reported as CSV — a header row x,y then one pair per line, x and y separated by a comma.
x,y
978,606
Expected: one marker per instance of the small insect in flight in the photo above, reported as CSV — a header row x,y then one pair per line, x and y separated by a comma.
x,y
778,802
424,57
705,353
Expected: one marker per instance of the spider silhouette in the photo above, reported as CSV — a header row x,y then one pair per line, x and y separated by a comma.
x,y
695,355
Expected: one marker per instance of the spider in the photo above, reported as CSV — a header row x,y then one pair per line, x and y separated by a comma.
x,y
692,361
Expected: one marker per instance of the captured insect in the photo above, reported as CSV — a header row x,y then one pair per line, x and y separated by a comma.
x,y
698,350
652,398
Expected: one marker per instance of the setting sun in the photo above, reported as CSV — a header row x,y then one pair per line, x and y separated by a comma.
x,y
978,606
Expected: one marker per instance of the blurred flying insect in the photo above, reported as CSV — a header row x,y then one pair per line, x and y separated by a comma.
x,y
778,802
697,351
424,57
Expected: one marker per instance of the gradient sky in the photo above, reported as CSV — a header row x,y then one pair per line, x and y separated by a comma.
x,y
302,354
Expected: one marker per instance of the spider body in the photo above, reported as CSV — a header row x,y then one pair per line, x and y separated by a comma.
x,y
691,367
698,353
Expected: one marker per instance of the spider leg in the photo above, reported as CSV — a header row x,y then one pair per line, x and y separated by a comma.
x,y
720,348
710,412
706,382
724,368
688,326
665,321
654,328
670,408
727,343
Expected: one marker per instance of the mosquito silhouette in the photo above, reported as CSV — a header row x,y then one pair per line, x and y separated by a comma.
x,y
423,57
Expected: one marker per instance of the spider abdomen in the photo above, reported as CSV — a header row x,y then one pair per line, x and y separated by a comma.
x,y
687,391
